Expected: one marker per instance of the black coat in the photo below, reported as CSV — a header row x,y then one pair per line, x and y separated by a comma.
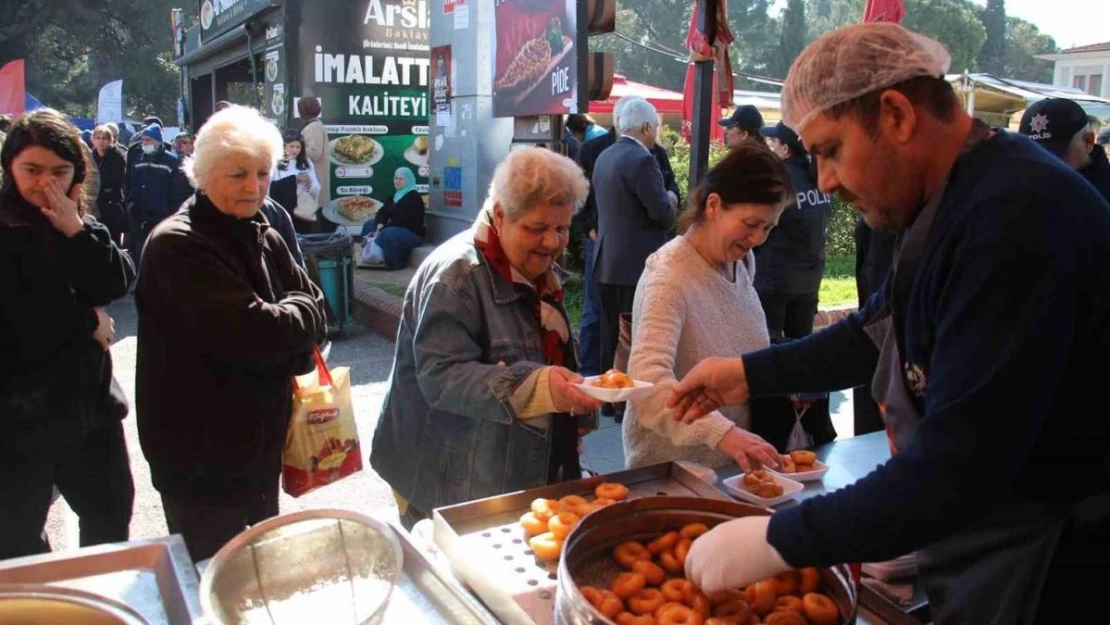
x,y
1098,171
634,212
792,260
586,218
226,318
407,213
113,173
55,380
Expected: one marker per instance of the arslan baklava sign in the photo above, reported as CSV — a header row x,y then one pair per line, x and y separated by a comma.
x,y
534,61
367,62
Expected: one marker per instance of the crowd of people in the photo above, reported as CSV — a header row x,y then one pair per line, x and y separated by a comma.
x,y
982,331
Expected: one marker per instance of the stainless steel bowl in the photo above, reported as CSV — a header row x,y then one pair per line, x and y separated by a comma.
x,y
587,553
28,604
335,565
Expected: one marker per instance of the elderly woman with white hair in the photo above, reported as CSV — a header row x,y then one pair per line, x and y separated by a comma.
x,y
481,398
226,318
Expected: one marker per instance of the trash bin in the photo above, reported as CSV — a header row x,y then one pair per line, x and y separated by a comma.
x,y
328,259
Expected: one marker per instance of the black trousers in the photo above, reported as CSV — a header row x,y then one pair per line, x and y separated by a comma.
x,y
615,299
92,472
207,523
789,315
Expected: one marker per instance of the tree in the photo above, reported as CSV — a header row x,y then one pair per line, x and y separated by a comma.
x,y
793,37
951,22
73,47
1023,42
993,54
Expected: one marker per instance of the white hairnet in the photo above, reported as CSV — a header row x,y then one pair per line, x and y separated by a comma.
x,y
852,61
635,114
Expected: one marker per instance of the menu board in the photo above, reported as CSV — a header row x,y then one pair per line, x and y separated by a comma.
x,y
535,64
368,63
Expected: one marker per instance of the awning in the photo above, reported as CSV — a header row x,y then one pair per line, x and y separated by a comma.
x,y
1007,96
664,101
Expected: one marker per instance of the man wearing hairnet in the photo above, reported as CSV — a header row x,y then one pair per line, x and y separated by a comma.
x,y
988,347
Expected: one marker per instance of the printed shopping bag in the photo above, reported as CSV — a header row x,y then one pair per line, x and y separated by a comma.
x,y
321,443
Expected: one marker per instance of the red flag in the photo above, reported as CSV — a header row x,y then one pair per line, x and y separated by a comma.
x,y
13,89
884,11
700,50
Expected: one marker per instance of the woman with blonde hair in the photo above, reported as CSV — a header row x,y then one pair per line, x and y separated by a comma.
x,y
226,319
481,396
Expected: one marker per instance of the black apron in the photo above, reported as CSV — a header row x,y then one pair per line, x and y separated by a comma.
x,y
992,572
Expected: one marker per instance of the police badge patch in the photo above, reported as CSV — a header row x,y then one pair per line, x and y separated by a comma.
x,y
916,381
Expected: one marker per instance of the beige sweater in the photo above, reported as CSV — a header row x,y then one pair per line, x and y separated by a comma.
x,y
684,312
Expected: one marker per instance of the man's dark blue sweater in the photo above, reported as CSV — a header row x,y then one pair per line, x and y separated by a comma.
x,y
1009,321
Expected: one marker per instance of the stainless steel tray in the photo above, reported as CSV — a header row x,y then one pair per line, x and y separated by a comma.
x,y
425,594
486,546
154,577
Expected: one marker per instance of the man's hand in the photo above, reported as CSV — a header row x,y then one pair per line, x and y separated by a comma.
x,y
593,234
745,447
733,555
714,383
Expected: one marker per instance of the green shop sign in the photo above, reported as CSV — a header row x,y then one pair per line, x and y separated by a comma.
x,y
219,16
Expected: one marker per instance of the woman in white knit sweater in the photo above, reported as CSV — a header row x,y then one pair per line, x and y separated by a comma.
x,y
695,300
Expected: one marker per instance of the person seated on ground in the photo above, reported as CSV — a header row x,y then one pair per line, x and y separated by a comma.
x,y
481,398
696,299
399,224
60,408
226,319
1062,127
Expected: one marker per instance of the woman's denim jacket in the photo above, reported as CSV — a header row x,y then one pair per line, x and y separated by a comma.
x,y
467,341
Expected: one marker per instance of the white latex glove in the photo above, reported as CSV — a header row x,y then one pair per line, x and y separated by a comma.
x,y
733,555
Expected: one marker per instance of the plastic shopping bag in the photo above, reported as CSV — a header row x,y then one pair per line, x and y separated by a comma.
x,y
372,254
799,438
321,443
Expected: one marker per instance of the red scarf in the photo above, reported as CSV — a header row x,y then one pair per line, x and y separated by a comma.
x,y
546,291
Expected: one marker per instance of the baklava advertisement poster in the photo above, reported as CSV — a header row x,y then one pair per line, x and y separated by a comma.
x,y
534,60
368,62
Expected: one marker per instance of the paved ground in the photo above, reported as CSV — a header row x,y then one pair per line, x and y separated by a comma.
x,y
369,357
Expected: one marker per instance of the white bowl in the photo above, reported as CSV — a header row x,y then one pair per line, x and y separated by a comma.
x,y
613,395
790,489
819,471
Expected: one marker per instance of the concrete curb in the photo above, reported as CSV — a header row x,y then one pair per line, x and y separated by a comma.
x,y
378,310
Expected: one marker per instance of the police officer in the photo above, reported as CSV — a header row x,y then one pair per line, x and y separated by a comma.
x,y
1063,128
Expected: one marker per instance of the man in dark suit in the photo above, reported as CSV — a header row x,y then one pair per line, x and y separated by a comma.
x,y
585,223
635,213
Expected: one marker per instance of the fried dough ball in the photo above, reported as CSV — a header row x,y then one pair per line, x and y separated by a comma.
x,y
810,580
647,601
663,543
788,465
727,595
561,524
785,618
544,509
628,618
532,524
761,596
677,590
693,530
787,583
546,547
679,615
650,570
573,503
789,604
802,456
736,611
820,610
611,490
628,584
670,562
628,552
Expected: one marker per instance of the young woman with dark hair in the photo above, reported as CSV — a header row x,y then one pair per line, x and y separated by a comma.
x,y
60,408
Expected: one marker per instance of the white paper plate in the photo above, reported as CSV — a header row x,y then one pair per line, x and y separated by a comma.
x,y
819,471
735,486
613,395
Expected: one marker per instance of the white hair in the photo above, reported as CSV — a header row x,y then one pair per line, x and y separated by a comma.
x,y
635,114
618,108
234,130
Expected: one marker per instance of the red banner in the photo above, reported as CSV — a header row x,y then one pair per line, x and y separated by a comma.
x,y
13,90
884,11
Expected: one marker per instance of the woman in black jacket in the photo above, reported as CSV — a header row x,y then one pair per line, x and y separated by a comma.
x,y
60,409
226,319
113,169
400,222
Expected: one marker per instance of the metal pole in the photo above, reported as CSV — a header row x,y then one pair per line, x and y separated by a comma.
x,y
703,100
